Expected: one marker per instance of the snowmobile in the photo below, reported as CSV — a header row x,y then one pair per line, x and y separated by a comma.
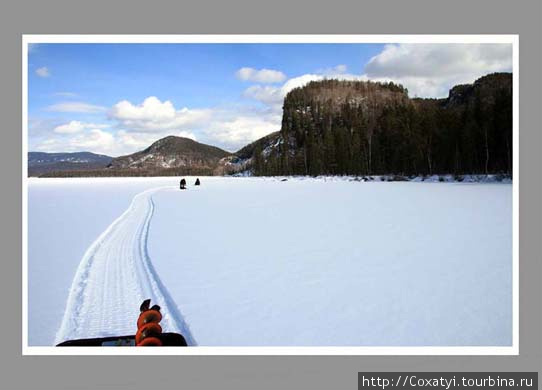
x,y
149,333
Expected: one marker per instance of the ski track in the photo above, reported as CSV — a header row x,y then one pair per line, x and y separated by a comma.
x,y
115,275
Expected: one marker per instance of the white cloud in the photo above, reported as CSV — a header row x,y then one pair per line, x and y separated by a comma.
x,y
77,127
152,115
427,70
137,126
265,94
238,131
261,75
135,142
152,109
299,81
274,96
65,94
43,72
75,107
95,140
430,70
117,143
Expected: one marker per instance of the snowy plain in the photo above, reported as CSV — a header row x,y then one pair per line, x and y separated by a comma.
x,y
261,262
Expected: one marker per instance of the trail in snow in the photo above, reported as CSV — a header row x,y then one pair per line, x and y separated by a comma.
x,y
115,275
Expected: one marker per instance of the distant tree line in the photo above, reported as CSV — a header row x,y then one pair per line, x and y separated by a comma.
x,y
361,128
108,172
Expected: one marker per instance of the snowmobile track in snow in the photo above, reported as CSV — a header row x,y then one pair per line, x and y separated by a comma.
x,y
115,275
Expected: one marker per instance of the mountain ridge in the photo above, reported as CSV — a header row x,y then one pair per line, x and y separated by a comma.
x,y
43,162
172,152
337,127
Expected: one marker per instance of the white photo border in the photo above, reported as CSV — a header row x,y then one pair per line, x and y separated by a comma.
x,y
275,38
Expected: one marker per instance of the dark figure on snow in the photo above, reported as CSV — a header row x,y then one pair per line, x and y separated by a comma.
x,y
183,184
197,182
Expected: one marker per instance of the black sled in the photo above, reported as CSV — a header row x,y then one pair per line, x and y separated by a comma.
x,y
168,340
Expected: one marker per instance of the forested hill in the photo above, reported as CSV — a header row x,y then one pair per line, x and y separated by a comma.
x,y
364,128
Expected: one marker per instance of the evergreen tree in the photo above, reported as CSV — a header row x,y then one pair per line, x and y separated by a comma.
x,y
353,127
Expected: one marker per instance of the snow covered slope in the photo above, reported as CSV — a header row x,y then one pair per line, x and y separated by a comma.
x,y
251,261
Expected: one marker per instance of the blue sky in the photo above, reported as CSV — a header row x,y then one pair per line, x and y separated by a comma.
x,y
118,98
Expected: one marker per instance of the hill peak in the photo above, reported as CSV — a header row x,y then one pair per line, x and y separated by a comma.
x,y
172,152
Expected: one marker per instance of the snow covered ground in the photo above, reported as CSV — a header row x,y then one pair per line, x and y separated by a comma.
x,y
65,216
251,261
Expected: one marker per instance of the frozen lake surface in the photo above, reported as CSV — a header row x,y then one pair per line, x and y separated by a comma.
x,y
253,262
